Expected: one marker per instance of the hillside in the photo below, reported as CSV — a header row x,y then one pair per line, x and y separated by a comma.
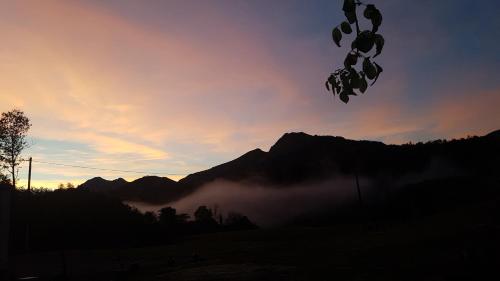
x,y
298,157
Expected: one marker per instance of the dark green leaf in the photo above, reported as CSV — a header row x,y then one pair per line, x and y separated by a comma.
x,y
365,41
351,17
349,6
369,11
379,70
333,81
337,36
344,97
344,78
349,9
346,27
355,79
327,85
369,69
379,44
350,60
376,18
337,88
364,84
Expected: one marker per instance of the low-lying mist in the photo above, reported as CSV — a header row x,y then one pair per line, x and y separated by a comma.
x,y
266,205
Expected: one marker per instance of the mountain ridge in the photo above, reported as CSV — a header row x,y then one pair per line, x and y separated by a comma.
x,y
299,157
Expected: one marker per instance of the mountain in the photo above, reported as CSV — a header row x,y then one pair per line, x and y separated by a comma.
x,y
494,134
150,189
99,184
298,157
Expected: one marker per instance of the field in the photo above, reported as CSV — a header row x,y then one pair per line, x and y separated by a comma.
x,y
456,245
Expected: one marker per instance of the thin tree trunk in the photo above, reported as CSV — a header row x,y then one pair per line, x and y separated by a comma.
x,y
13,176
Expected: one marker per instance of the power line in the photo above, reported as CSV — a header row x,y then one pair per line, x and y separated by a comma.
x,y
104,169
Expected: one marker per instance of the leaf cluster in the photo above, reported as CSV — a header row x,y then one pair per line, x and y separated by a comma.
x,y
346,81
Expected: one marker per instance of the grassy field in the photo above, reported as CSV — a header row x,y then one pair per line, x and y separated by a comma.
x,y
457,245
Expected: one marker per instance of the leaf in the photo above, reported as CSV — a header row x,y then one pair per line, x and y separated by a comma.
x,y
344,97
349,6
346,27
333,81
364,84
351,16
337,36
355,79
379,70
327,85
369,69
365,41
344,78
337,88
369,11
349,9
379,44
376,18
350,60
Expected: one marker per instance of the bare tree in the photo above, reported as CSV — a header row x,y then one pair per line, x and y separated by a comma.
x,y
14,126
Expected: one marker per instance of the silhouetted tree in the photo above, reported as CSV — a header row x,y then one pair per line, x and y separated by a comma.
x,y
344,81
203,214
14,126
237,221
168,216
150,217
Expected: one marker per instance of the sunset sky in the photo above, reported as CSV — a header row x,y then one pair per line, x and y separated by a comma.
x,y
174,87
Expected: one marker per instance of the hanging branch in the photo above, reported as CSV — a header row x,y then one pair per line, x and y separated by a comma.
x,y
344,81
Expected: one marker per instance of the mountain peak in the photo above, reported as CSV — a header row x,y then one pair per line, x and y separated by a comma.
x,y
153,180
289,140
294,140
100,184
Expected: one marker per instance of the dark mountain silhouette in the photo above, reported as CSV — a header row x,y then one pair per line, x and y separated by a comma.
x,y
99,184
494,134
151,189
299,157
247,166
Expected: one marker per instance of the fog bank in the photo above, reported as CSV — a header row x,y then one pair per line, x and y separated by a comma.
x,y
266,205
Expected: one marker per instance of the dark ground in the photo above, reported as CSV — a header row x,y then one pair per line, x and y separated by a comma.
x,y
462,244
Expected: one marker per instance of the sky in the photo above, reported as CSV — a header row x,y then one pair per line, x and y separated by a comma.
x,y
175,87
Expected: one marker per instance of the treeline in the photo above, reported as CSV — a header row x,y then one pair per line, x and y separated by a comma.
x,y
78,219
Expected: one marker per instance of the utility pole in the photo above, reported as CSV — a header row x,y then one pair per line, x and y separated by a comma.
x,y
27,233
360,199
29,176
